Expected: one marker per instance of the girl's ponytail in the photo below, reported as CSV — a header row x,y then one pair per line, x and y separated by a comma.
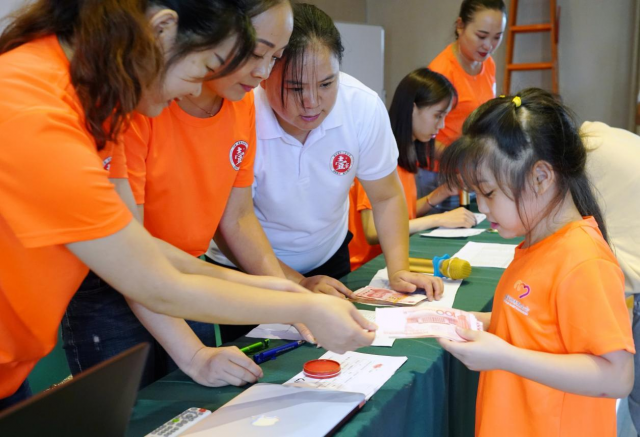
x,y
509,135
584,198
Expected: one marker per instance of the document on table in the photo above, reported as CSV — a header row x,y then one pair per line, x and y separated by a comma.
x,y
275,331
381,339
443,232
487,254
381,280
425,322
360,373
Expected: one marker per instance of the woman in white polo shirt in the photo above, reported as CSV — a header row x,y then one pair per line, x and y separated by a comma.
x,y
317,130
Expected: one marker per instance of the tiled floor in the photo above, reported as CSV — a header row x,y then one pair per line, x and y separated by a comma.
x,y
625,426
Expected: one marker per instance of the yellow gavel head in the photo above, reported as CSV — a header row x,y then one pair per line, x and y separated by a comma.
x,y
455,268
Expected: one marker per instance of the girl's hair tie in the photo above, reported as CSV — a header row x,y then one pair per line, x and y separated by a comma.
x,y
517,101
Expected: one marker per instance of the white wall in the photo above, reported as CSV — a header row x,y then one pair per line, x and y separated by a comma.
x,y
8,6
595,44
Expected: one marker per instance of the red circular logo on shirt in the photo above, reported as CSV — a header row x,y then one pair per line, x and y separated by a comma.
x,y
236,155
341,162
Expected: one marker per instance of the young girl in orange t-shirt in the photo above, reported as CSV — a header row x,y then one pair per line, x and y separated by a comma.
x,y
418,110
558,348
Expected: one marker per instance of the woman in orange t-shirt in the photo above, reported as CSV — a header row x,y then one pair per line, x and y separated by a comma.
x,y
418,110
68,83
190,171
468,65
467,62
558,348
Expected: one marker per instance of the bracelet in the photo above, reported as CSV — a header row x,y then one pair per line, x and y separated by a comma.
x,y
430,204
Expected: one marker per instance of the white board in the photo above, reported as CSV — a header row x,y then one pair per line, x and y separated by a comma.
x,y
364,54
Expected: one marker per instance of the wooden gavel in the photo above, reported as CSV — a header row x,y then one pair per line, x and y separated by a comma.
x,y
453,268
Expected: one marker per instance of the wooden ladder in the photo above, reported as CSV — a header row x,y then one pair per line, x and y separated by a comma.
x,y
514,29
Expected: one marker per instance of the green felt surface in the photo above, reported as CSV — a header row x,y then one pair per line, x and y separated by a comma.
x,y
432,394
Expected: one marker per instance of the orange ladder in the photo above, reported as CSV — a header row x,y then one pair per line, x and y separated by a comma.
x,y
514,29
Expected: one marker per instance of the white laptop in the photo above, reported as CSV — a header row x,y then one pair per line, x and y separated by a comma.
x,y
267,410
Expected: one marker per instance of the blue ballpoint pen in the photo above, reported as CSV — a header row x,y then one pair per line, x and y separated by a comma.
x,y
271,354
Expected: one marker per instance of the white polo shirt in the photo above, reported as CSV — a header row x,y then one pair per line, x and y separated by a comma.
x,y
301,192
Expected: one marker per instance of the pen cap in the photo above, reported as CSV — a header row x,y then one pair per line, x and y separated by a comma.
x,y
321,369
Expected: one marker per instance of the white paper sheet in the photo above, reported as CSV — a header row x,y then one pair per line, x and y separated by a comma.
x,y
381,339
443,232
452,233
487,254
360,373
479,217
275,331
381,280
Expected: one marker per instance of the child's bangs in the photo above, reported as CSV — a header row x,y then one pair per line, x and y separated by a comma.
x,y
466,162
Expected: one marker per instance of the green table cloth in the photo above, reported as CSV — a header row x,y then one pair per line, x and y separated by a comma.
x,y
432,394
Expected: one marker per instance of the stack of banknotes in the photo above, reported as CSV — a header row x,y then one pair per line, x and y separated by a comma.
x,y
383,296
424,322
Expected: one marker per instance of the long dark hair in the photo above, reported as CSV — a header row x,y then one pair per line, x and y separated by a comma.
x,y
508,139
115,52
310,26
422,87
468,9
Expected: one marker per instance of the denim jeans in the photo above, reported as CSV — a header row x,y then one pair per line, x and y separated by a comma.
x,y
634,396
99,324
23,393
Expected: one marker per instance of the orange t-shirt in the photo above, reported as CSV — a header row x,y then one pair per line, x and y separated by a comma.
x,y
360,251
183,168
54,191
563,295
473,91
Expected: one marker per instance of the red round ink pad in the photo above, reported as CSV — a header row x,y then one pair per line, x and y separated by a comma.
x,y
321,369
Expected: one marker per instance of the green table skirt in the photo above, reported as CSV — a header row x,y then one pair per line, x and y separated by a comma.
x,y
432,394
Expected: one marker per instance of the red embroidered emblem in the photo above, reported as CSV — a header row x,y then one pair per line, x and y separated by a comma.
x,y
106,164
341,162
236,155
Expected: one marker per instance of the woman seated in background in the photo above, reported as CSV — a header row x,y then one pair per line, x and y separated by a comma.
x,y
418,110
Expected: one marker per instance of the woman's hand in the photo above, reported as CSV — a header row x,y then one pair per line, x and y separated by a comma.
x,y
217,367
457,218
337,325
326,285
405,281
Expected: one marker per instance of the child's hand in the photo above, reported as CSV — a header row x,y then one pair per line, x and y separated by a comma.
x,y
482,351
405,281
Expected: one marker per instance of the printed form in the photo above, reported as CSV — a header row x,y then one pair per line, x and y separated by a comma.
x,y
360,373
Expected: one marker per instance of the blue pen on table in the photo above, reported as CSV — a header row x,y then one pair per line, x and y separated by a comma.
x,y
271,354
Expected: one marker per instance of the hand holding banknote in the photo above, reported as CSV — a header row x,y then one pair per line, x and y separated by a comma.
x,y
480,350
425,322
